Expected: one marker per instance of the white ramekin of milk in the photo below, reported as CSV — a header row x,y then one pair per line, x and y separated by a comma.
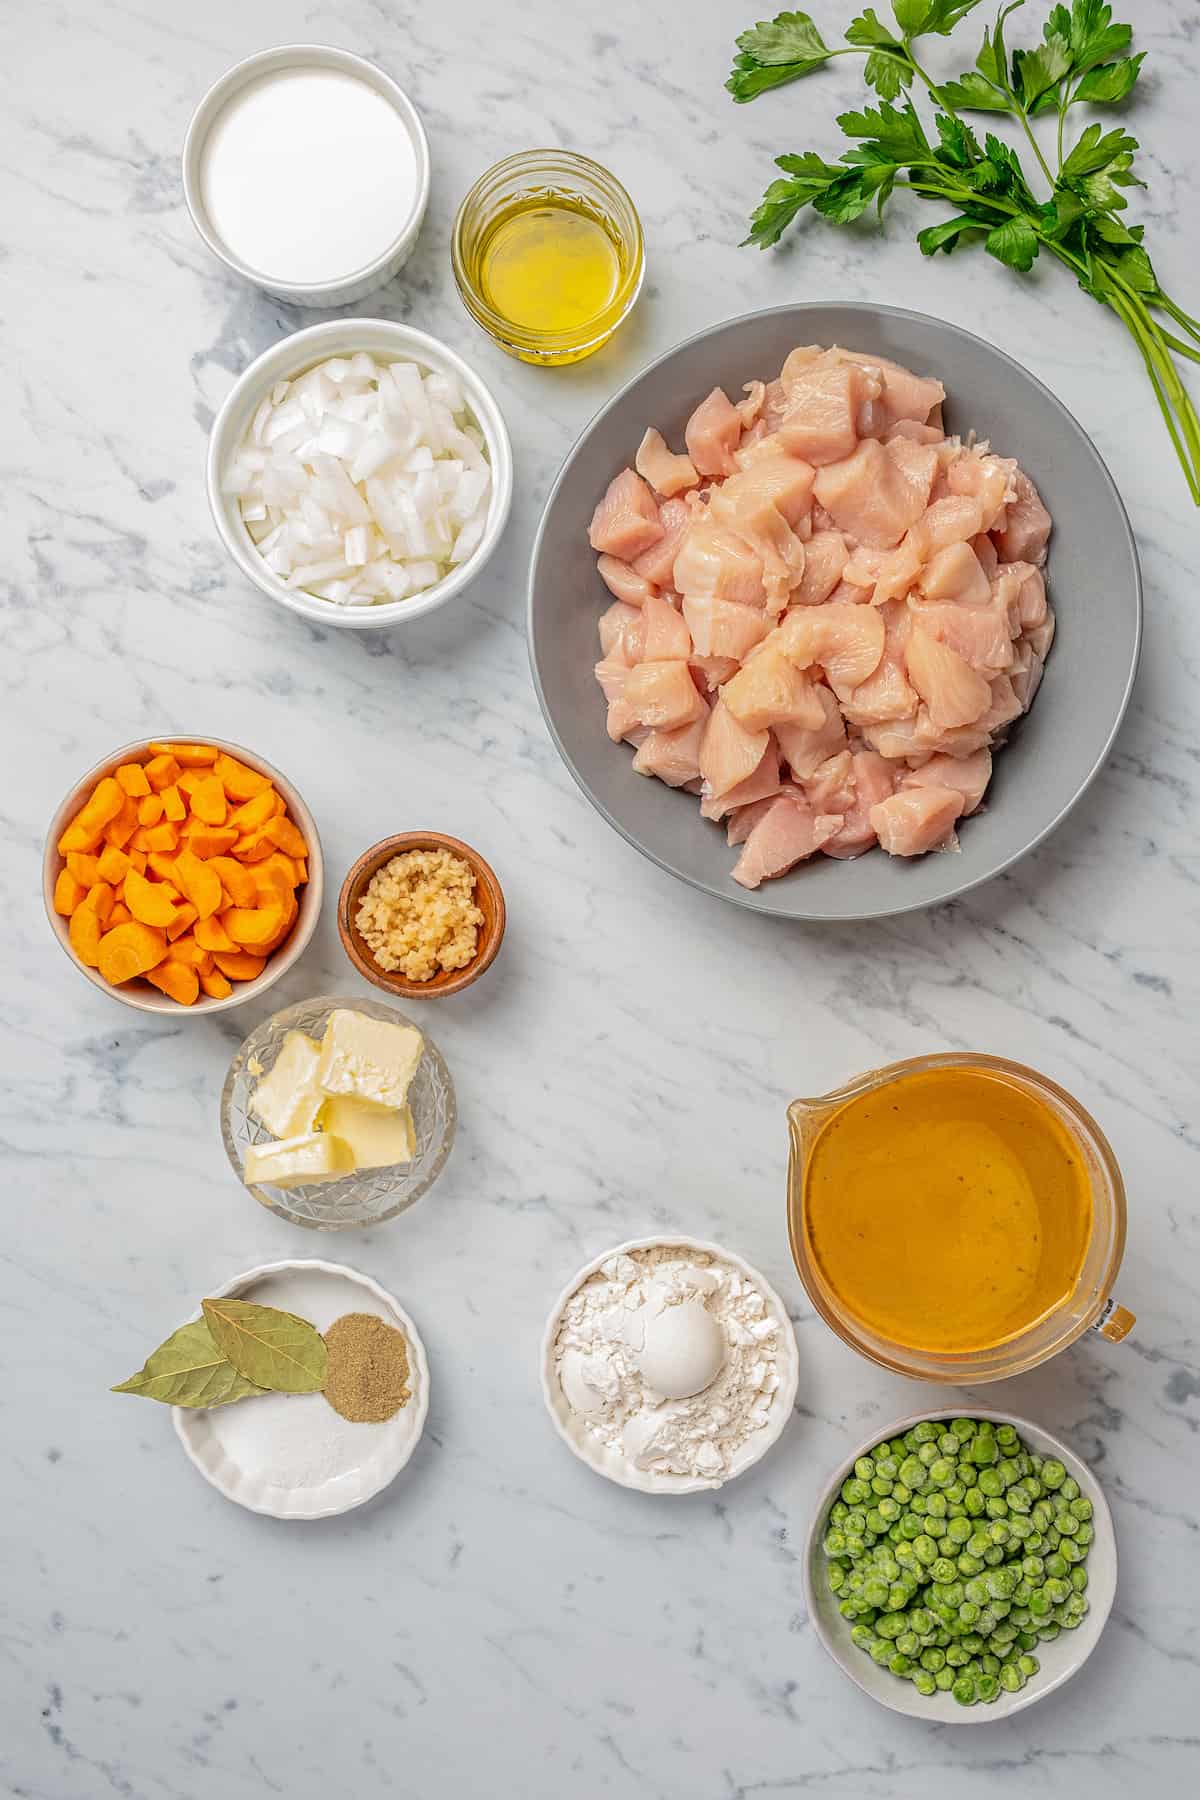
x,y
306,170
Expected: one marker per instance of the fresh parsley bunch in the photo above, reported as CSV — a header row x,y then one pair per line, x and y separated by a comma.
x,y
1082,58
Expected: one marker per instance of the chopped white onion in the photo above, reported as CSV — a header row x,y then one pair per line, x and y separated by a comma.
x,y
363,482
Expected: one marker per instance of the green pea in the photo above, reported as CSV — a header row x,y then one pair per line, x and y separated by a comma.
x,y
944,1679
855,1543
1058,1589
1029,1665
1018,1498
1053,1475
1006,1434
1070,1488
956,1656
993,1555
864,1468
1079,1578
963,1429
948,1444
974,1502
935,1506
924,1549
1012,1679
924,1682
876,1523
880,1485
900,1493
1072,1550
954,1495
954,1593
886,1465
1027,1640
908,1644
942,1570
936,1528
1042,1515
987,1687
924,1433
1068,1524
1021,1593
969,1565
965,1690
834,1543
958,1530
1004,1633
990,1483
1001,1583
854,1492
1084,1535
982,1448
899,1664
912,1472
928,1453
1021,1525
972,1642
862,1636
836,1578
999,1530
888,1510
933,1659
910,1526
1049,1631
881,1652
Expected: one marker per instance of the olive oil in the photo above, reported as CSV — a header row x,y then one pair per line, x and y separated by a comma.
x,y
549,264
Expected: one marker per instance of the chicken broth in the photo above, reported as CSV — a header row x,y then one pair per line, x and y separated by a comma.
x,y
947,1210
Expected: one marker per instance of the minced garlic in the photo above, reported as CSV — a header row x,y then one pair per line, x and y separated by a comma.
x,y
418,914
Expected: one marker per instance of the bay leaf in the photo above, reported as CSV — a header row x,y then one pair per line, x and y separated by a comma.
x,y
273,1349
189,1370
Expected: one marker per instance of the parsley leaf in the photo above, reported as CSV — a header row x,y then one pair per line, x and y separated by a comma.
x,y
897,130
889,66
972,93
1093,37
918,17
949,234
810,176
776,51
1111,82
959,146
1015,243
1036,72
1098,149
851,194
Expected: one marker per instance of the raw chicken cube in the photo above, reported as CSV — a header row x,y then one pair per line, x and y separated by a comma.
x,y
720,563
954,574
966,775
622,634
787,833
1026,529
763,782
742,820
769,690
875,495
981,635
905,395
674,756
663,695
667,636
666,472
874,781
721,627
712,434
823,406
658,563
916,819
985,478
847,641
622,717
804,750
729,753
954,692
954,519
710,672
623,580
626,521
825,557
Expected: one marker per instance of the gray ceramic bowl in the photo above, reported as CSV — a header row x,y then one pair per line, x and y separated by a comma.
x,y
1094,581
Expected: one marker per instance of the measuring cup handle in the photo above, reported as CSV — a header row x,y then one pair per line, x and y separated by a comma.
x,y
1115,1322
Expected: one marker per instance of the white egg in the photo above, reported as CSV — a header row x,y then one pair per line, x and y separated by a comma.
x,y
682,1349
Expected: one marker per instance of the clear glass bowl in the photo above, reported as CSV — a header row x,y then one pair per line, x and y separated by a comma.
x,y
547,175
369,1196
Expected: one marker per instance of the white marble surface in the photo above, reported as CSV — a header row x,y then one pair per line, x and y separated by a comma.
x,y
502,1622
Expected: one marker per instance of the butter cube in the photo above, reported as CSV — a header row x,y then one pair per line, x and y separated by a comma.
x,y
288,1100
299,1161
368,1058
378,1136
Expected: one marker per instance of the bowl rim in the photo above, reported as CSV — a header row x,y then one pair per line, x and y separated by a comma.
x,y
748,898
185,1418
1002,1708
392,982
591,1452
284,361
260,1192
279,962
213,101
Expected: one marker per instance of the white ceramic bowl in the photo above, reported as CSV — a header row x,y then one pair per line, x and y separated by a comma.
x,y
255,1451
609,1463
355,284
388,341
1059,1660
140,994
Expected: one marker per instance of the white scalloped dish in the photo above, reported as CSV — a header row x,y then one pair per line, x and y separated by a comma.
x,y
290,1455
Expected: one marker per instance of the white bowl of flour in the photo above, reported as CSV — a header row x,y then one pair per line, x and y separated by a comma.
x,y
631,1339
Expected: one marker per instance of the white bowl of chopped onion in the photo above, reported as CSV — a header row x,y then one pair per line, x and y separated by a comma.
x,y
360,473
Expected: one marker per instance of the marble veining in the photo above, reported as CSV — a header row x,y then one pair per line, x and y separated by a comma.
x,y
501,1622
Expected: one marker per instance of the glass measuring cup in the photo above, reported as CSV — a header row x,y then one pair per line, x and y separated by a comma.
x,y
1089,1306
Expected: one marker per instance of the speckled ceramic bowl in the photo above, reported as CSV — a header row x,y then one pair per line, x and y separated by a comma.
x,y
615,1467
1060,1659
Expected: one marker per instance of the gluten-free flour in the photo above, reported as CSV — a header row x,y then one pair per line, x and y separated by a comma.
x,y
671,1357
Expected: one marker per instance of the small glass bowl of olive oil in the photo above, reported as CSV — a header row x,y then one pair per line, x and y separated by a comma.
x,y
548,255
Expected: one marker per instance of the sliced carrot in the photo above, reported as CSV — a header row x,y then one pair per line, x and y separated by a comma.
x,y
301,863
148,901
118,831
80,834
209,802
256,846
190,780
282,832
100,899
173,805
190,756
132,778
162,865
255,812
187,950
208,840
83,867
161,771
281,868
290,912
237,881
85,932
150,810
239,965
137,859
215,986
163,838
177,981
113,864
120,915
199,881
130,949
210,934
185,917
251,926
239,781
68,892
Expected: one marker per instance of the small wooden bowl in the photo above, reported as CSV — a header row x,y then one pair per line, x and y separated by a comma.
x,y
489,898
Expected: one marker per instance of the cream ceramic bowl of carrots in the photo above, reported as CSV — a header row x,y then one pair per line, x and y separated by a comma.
x,y
183,874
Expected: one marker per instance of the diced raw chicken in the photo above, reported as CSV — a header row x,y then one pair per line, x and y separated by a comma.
x,y
916,819
803,750
1031,595
666,632
658,563
1040,637
742,820
954,519
788,832
876,494
722,627
761,503
709,672
769,690
885,574
1005,705
966,775
1027,526
775,405
667,472
621,579
622,717
825,556
831,787
885,695
712,434
981,635
985,478
985,550
1026,674
749,409
663,695
905,395
729,753
914,432
821,422
874,780
622,634
931,739
673,756
954,692
717,562
626,521
762,783
954,574
847,641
